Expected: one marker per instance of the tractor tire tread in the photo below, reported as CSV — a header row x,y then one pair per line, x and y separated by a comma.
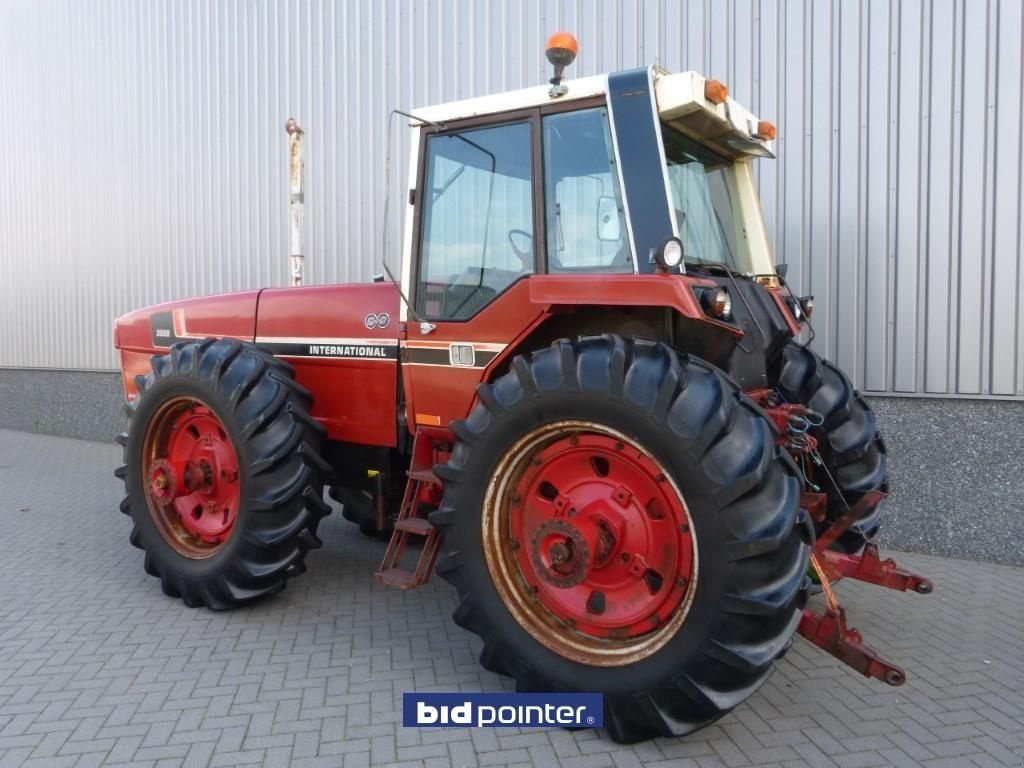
x,y
279,444
735,447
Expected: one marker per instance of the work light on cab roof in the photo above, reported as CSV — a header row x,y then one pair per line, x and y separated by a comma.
x,y
589,396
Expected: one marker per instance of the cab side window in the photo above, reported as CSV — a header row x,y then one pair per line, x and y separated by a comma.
x,y
586,223
477,219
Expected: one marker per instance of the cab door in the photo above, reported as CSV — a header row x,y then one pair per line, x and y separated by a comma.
x,y
476,241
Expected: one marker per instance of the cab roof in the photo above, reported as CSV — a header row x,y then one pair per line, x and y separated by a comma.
x,y
728,128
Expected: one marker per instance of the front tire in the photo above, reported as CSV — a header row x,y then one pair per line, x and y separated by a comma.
x,y
223,473
657,435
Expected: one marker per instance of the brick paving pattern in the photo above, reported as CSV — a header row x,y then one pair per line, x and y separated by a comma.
x,y
97,667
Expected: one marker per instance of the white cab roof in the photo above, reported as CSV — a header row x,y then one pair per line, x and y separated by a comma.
x,y
679,96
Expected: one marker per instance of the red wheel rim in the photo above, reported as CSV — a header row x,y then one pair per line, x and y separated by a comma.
x,y
191,476
589,542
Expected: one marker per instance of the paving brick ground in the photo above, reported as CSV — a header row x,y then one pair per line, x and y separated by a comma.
x,y
97,667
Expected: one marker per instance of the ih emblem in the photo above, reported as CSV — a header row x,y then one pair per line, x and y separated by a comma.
x,y
377,320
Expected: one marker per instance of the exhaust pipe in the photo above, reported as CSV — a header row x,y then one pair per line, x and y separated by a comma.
x,y
296,204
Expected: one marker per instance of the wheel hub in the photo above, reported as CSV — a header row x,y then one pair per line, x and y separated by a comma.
x,y
561,554
607,558
162,483
193,483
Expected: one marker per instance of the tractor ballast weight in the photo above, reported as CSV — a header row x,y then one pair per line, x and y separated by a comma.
x,y
585,397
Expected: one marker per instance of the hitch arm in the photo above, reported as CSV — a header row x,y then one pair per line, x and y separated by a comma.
x,y
828,629
869,567
829,632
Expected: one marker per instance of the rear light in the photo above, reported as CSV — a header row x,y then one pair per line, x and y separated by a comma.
x,y
801,307
716,302
807,305
715,91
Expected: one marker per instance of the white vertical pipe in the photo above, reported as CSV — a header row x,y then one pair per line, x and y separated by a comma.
x,y
296,191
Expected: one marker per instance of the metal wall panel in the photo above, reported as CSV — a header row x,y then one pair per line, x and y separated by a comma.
x,y
145,157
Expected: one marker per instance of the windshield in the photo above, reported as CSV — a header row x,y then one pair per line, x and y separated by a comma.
x,y
701,198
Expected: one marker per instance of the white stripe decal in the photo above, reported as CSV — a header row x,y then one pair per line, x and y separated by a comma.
x,y
324,340
480,346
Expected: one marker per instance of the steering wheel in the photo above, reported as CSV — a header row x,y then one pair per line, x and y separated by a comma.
x,y
525,256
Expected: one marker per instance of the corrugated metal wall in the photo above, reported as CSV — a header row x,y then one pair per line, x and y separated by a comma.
x,y
144,154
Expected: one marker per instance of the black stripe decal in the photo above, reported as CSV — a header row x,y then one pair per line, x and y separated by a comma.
x,y
434,356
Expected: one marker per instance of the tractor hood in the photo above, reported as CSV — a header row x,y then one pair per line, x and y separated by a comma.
x,y
157,327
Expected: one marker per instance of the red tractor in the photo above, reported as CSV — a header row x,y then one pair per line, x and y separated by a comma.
x,y
585,400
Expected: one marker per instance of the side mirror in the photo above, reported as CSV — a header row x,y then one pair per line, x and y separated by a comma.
x,y
608,219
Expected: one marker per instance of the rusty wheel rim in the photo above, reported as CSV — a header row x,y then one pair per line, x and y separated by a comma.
x,y
589,543
190,473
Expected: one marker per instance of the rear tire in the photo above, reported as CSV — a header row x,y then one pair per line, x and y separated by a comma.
x,y
849,442
739,490
264,416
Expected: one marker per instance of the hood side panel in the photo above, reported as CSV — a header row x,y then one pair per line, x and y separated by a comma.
x,y
342,341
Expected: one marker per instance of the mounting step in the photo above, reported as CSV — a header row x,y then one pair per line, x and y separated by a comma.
x,y
419,526
397,578
422,486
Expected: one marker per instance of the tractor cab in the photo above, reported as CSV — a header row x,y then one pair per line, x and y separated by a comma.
x,y
591,177
530,211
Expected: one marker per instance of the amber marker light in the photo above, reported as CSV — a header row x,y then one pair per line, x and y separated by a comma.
x,y
766,130
715,91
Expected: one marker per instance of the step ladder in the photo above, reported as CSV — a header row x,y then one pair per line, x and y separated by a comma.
x,y
422,492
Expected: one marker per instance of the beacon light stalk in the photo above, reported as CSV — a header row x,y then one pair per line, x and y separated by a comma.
x,y
561,52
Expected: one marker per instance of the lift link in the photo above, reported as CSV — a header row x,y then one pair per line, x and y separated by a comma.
x,y
422,493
